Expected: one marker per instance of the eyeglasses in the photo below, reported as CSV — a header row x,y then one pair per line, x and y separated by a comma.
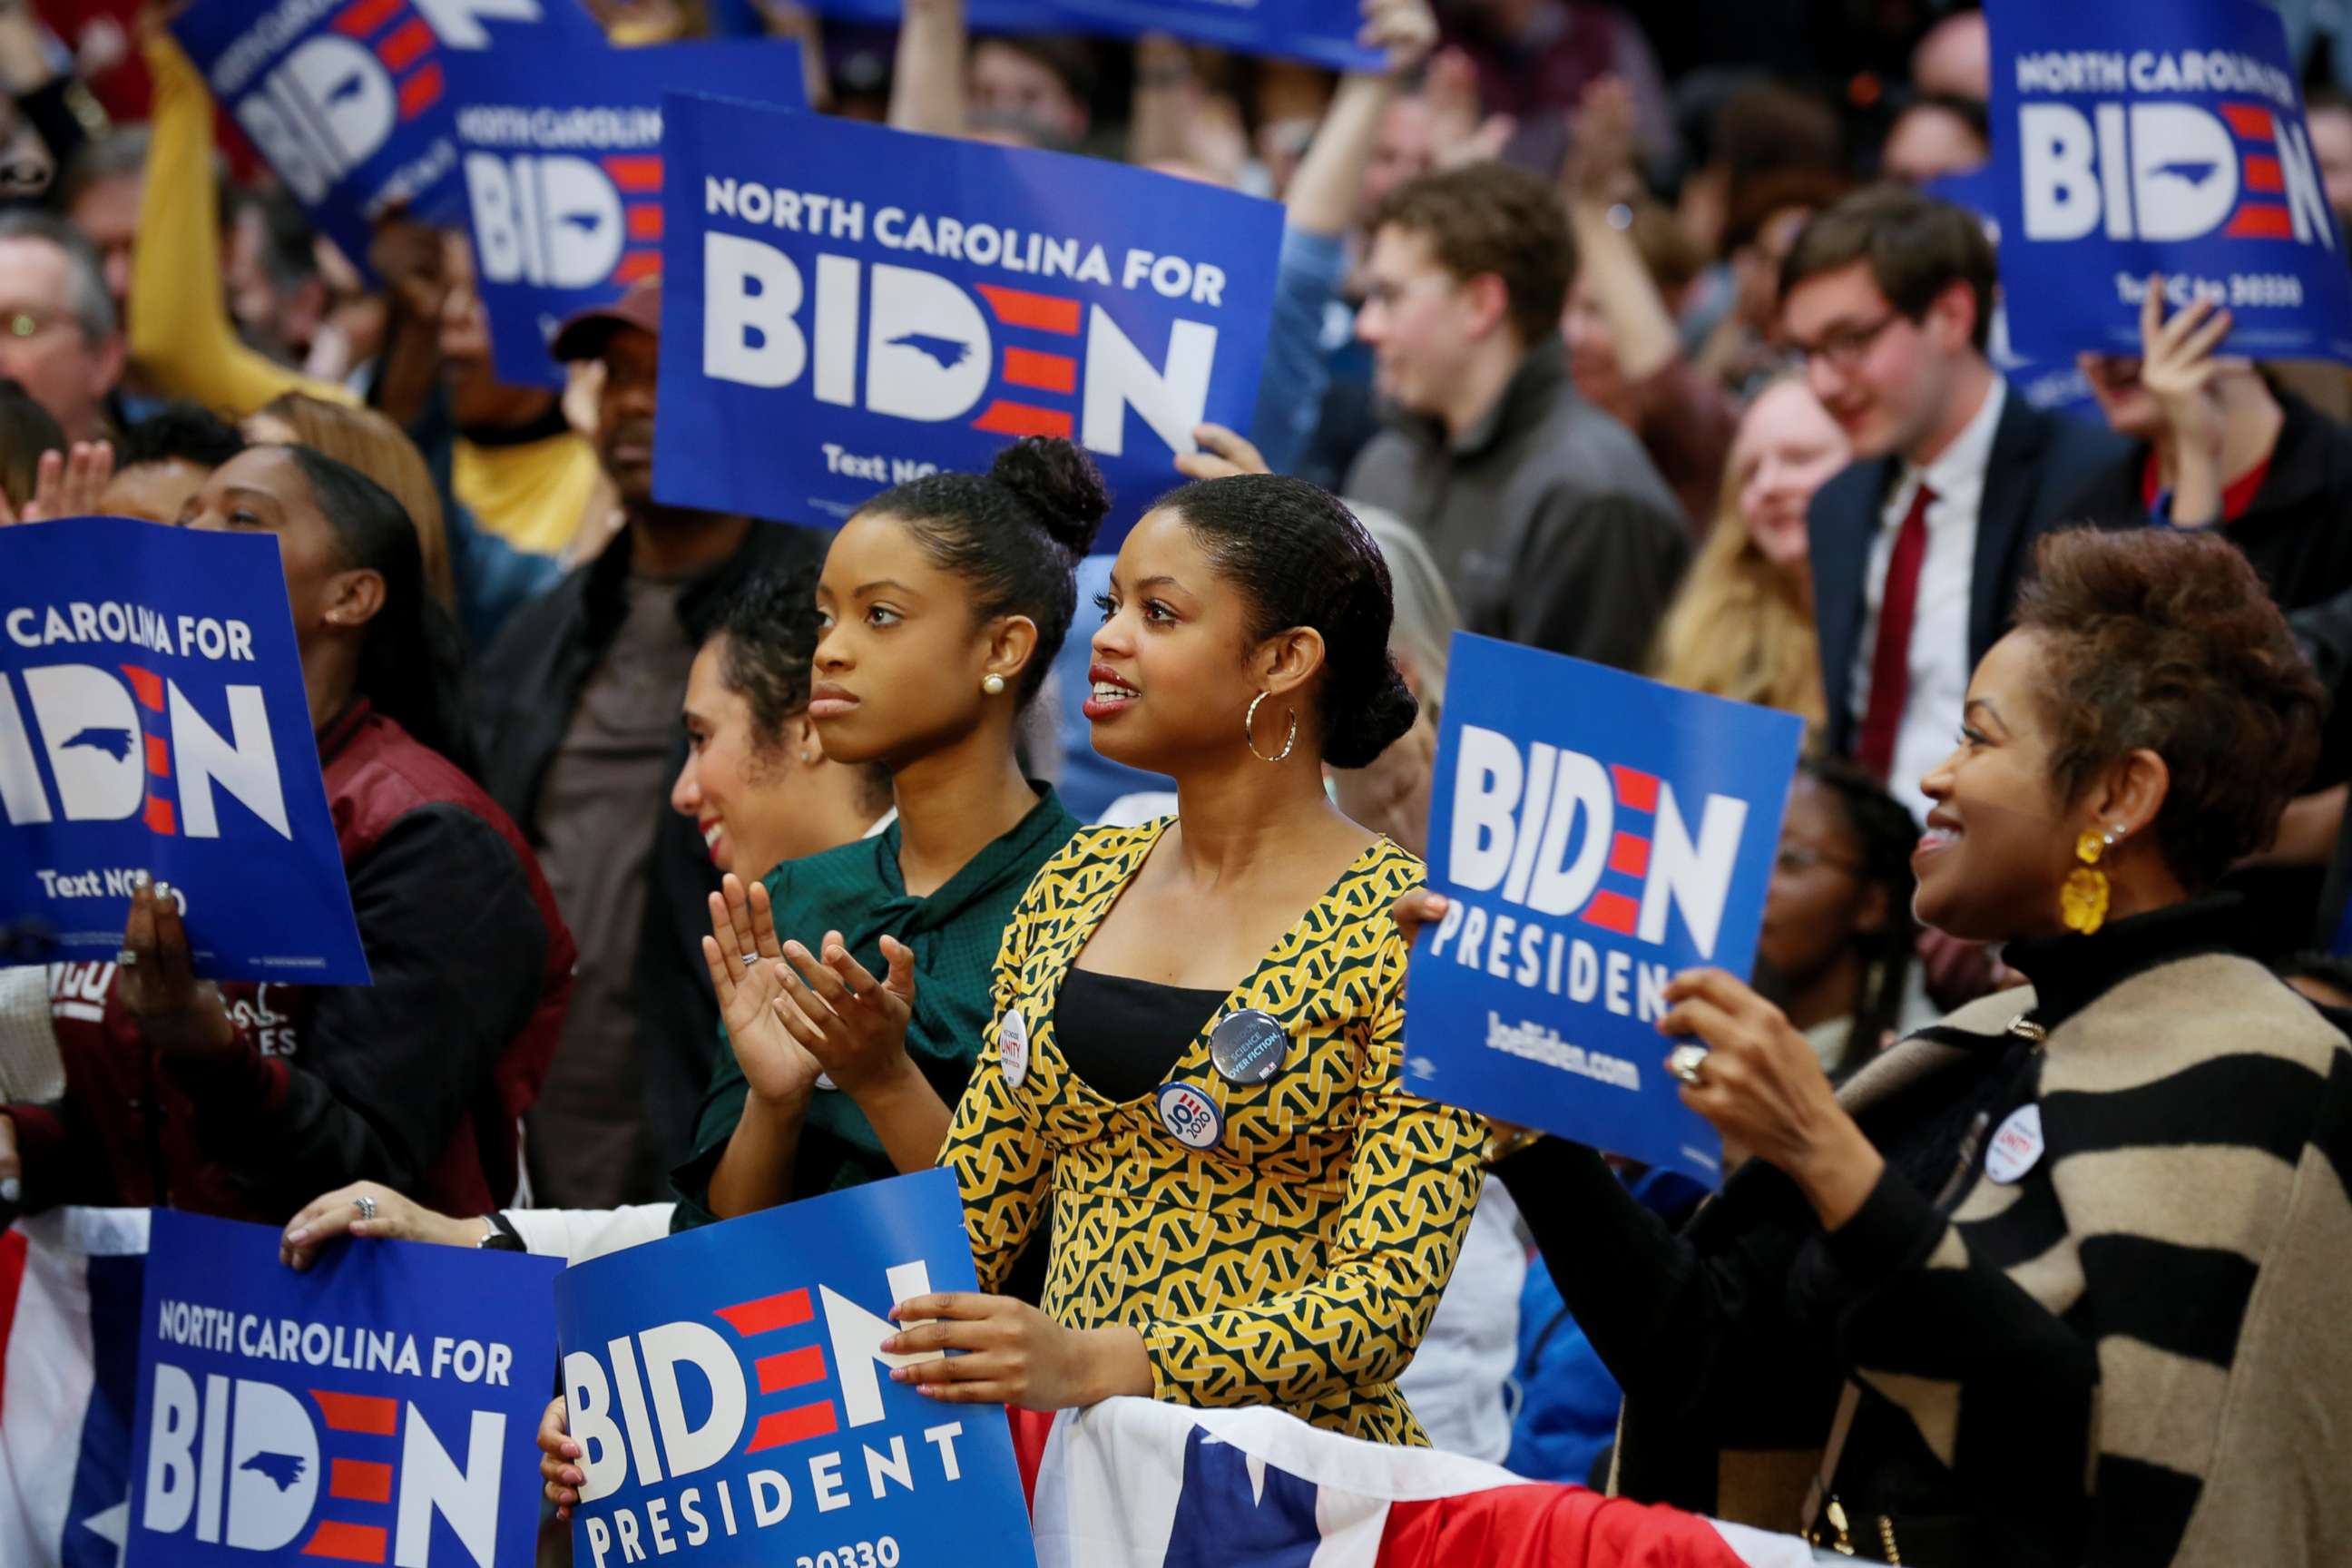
x,y
1388,295
1843,347
1795,860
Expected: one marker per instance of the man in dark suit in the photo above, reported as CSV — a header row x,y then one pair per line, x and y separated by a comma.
x,y
1918,546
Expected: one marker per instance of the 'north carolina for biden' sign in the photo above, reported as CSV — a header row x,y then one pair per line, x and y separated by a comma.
x,y
846,307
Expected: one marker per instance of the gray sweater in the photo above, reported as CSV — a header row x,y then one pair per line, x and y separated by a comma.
x,y
1548,521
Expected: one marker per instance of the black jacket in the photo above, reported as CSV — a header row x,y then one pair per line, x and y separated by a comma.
x,y
2293,530
521,701
2040,464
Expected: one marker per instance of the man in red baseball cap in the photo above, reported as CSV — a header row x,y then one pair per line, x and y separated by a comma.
x,y
577,726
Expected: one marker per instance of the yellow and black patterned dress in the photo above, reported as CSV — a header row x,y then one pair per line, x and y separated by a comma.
x,y
1295,1263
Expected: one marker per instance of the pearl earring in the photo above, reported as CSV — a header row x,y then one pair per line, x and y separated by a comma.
x,y
994,685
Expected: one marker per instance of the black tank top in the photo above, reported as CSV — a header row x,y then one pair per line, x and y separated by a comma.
x,y
1124,1036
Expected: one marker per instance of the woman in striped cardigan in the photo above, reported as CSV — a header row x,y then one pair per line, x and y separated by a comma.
x,y
2065,1279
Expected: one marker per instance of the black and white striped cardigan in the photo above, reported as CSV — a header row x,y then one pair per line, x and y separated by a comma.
x,y
2141,1348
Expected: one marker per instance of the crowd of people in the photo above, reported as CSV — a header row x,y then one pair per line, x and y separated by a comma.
x,y
706,862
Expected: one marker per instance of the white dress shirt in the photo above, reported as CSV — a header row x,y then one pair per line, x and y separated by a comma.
x,y
1939,664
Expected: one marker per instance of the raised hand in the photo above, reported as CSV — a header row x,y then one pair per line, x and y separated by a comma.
x,y
764,1025
854,1024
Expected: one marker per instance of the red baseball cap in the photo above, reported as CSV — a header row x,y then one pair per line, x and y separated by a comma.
x,y
585,334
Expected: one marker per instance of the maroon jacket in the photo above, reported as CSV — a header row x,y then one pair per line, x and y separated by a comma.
x,y
414,1081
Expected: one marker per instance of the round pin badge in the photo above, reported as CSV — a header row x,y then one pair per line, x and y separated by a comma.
x,y
1191,1117
1248,1048
1012,1045
2016,1146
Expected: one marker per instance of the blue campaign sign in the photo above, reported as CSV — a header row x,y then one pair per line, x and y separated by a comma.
x,y
2055,386
846,307
152,717
733,1407
382,1406
1321,32
1597,834
562,168
349,100
2142,137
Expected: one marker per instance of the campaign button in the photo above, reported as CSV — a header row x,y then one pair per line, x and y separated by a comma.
x,y
1248,1048
2016,1147
1013,1046
1191,1117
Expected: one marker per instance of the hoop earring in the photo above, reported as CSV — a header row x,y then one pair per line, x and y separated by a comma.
x,y
1249,732
2083,901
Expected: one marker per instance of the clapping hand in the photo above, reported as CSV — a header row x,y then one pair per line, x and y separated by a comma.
x,y
747,971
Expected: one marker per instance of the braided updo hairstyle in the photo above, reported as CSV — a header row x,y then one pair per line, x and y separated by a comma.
x,y
1015,533
1303,560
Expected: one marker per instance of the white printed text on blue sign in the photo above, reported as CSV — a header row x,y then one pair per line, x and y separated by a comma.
x,y
1596,834
2160,137
846,307
153,718
733,1405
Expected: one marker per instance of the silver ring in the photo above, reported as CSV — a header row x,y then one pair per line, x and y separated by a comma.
x,y
11,1190
125,959
1686,1061
365,1205
750,959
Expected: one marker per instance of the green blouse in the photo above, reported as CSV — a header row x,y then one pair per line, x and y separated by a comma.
x,y
955,933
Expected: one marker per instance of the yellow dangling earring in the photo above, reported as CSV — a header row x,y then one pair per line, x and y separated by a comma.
x,y
2083,901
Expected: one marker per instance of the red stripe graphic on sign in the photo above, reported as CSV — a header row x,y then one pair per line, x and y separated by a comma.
x,y
644,221
346,1542
778,1311
638,264
358,1480
149,689
1047,372
1629,855
1003,418
366,17
1612,912
2250,120
792,1426
791,1369
420,92
1039,312
366,1413
638,174
2262,223
405,45
2262,175
159,818
1635,789
159,756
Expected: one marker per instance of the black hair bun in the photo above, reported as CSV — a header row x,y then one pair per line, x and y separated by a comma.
x,y
1364,725
1059,484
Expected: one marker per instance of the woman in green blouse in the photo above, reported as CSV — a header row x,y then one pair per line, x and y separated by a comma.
x,y
942,602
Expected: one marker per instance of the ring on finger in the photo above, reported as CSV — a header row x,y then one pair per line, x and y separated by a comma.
x,y
366,1205
1685,1063
750,959
125,958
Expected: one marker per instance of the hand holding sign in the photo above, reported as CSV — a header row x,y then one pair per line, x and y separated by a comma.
x,y
155,979
2177,367
1761,1085
1013,1355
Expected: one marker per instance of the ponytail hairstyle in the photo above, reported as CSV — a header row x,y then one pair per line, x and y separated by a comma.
x,y
1015,533
1303,560
1885,832
408,660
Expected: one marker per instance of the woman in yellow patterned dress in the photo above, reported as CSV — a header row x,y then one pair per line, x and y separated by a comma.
x,y
1193,1083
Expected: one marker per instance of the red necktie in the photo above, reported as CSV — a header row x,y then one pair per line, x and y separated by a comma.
x,y
1890,660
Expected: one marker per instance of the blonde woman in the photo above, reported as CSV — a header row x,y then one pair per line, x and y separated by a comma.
x,y
1742,626
377,447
